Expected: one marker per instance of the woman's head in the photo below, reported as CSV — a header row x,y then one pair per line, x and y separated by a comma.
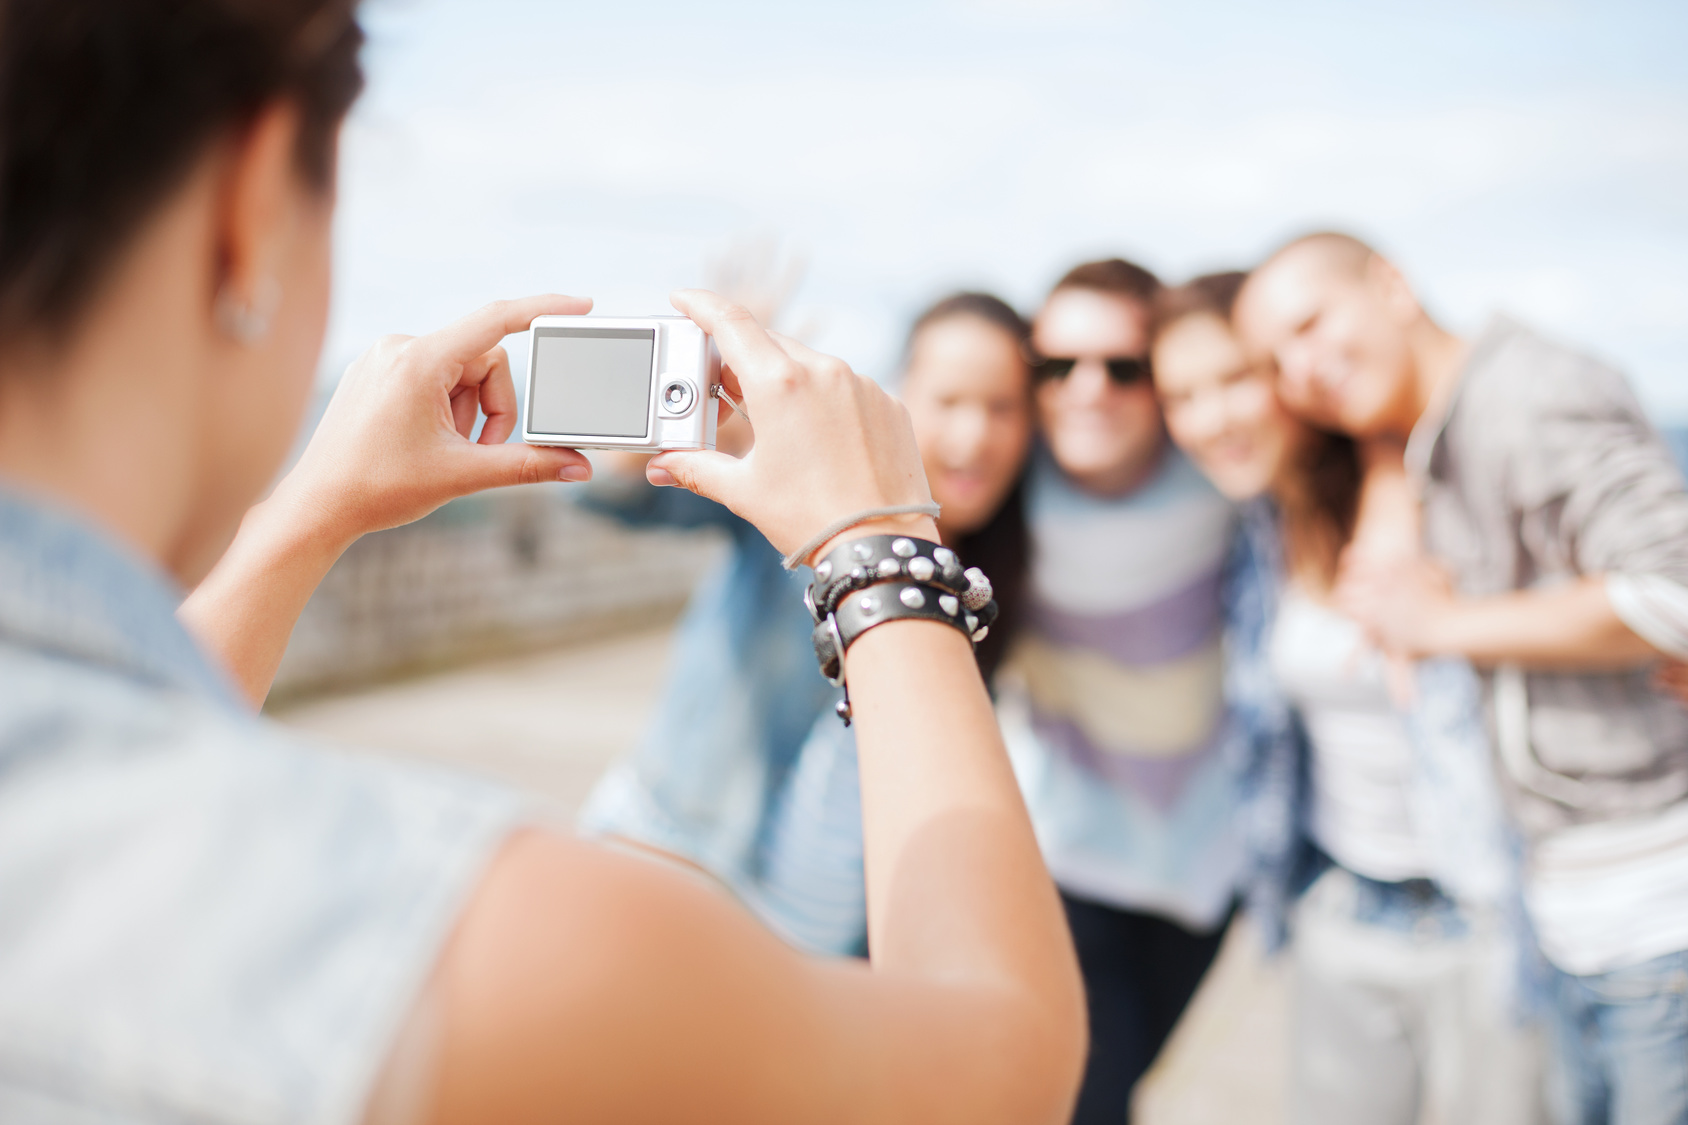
x,y
967,386
1221,409
1224,412
166,192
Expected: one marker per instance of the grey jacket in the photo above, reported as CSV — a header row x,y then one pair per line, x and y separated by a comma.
x,y
1543,469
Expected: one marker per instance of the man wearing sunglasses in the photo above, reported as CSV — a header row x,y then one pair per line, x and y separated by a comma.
x,y
1115,712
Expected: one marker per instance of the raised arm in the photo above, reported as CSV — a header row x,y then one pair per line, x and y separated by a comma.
x,y
393,446
587,985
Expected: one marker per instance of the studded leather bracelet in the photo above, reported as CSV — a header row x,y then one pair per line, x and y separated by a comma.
x,y
873,559
891,578
890,601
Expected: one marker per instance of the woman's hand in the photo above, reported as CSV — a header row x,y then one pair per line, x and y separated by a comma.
x,y
393,446
394,443
829,443
1403,602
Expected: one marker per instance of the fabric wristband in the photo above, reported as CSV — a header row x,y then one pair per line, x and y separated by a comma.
x,y
845,523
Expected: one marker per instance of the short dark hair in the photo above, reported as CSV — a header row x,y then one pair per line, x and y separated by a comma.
x,y
981,306
1114,276
106,105
1212,293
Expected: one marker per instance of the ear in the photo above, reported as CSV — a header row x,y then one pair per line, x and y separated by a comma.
x,y
255,217
1392,289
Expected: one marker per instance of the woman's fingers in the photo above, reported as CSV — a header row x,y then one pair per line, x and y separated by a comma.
x,y
465,409
828,442
705,472
476,468
474,335
746,349
498,397
798,350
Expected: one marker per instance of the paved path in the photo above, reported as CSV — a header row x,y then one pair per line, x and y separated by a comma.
x,y
551,722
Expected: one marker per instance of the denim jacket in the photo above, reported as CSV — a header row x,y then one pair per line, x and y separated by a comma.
x,y
202,918
1455,799
742,693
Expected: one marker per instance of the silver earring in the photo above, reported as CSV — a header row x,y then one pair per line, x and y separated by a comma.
x,y
247,322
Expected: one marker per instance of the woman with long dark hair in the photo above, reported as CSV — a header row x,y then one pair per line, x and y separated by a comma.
x,y
773,810
203,917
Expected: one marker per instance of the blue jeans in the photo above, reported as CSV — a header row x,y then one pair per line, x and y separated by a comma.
x,y
1622,1044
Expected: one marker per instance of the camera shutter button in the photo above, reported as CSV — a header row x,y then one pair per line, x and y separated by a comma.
x,y
677,396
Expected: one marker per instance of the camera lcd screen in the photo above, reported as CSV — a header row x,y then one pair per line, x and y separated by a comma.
x,y
592,382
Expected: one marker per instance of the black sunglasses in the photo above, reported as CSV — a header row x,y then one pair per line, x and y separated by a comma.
x,y
1123,370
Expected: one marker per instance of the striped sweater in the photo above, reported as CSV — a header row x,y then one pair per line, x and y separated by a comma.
x,y
1113,702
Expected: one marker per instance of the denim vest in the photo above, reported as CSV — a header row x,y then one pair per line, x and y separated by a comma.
x,y
201,917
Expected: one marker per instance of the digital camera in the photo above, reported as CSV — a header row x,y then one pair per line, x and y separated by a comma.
x,y
641,384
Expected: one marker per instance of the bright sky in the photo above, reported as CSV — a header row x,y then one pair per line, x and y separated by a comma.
x,y
1525,155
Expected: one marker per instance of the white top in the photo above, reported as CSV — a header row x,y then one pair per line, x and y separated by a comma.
x,y
1362,758
1613,893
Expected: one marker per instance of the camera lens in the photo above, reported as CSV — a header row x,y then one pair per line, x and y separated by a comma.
x,y
677,397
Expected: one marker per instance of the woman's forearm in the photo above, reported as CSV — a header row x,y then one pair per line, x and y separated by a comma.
x,y
245,609
957,889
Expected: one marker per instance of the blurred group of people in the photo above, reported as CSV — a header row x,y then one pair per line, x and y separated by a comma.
x,y
1309,605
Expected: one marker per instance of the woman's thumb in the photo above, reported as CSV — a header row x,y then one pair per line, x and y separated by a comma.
x,y
708,473
499,466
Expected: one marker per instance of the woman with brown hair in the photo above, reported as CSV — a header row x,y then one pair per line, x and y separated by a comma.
x,y
1372,819
203,918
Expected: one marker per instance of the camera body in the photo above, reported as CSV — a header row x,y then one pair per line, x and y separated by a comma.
x,y
641,384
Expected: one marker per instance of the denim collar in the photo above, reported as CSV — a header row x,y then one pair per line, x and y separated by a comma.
x,y
70,590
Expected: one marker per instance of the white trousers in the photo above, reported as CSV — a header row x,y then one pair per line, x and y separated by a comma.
x,y
1404,1024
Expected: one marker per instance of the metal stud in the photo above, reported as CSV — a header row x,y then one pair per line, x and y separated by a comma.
x,y
912,597
858,574
949,604
972,623
824,571
843,709
981,634
945,557
861,550
902,548
889,568
868,604
921,569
